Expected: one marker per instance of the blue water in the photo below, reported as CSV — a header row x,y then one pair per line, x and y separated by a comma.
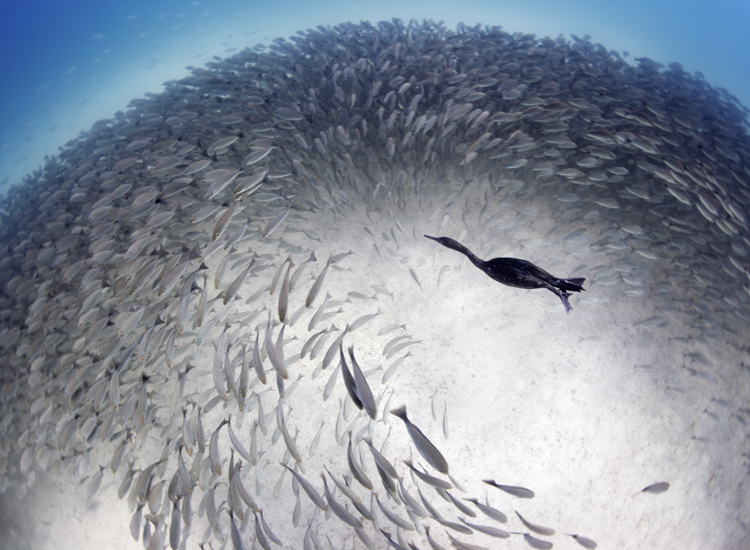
x,y
66,65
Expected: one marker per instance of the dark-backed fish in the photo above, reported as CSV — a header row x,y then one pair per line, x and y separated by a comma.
x,y
425,447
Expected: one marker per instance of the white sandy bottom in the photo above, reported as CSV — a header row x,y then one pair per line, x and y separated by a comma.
x,y
535,398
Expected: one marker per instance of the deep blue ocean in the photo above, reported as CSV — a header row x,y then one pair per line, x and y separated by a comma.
x,y
69,64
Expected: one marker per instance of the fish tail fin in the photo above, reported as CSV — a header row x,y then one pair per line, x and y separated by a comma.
x,y
570,285
400,412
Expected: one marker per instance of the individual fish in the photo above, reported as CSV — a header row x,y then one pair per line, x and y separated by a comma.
x,y
655,488
236,236
94,483
518,273
349,382
391,370
430,480
213,449
277,276
536,543
284,295
357,471
298,272
290,443
457,503
316,439
336,346
237,444
250,183
362,388
256,361
276,221
461,545
202,303
174,527
309,489
364,319
380,460
390,328
267,530
412,504
331,383
489,511
339,510
393,518
260,535
276,361
585,542
223,222
424,446
183,473
519,492
218,185
546,531
394,544
431,541
487,530
455,526
318,284
235,533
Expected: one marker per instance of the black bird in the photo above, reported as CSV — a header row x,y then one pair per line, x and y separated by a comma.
x,y
518,273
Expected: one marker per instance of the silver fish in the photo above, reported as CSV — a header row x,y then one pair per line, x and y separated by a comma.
x,y
256,361
223,222
276,221
380,460
232,289
349,380
487,530
537,543
284,295
546,531
260,536
431,541
362,388
656,488
425,448
430,480
213,449
393,518
520,492
290,444
363,320
276,361
464,545
237,444
489,511
318,284
585,542
277,276
356,469
298,273
339,510
218,185
309,489
250,183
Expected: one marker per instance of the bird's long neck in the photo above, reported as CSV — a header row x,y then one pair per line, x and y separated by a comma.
x,y
455,245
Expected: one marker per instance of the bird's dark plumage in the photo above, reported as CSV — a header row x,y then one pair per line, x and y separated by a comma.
x,y
518,273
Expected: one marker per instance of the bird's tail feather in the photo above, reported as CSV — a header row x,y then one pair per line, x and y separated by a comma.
x,y
570,285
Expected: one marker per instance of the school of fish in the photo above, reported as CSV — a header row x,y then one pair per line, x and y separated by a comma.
x,y
173,277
